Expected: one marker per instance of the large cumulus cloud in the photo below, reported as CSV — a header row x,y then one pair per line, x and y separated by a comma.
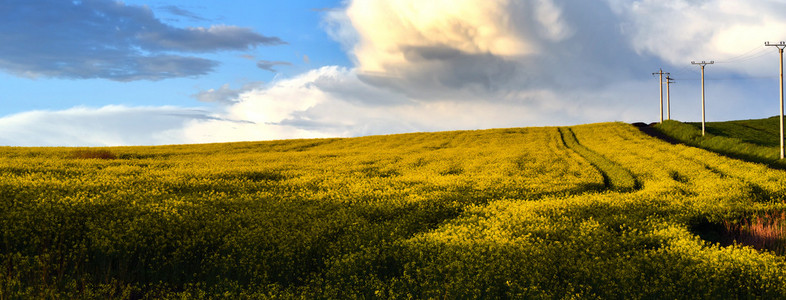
x,y
473,49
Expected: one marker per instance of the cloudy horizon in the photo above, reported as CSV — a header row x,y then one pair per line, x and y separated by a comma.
x,y
106,73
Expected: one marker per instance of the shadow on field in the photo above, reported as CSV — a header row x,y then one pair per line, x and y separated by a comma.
x,y
650,130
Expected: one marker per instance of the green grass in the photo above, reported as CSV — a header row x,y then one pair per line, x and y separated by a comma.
x,y
763,132
752,140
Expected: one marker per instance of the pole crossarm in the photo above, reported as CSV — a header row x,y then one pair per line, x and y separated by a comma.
x,y
702,64
660,72
780,47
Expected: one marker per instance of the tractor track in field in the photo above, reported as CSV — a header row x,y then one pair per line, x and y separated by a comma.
x,y
615,177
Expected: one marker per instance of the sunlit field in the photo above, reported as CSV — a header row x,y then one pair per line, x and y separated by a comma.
x,y
591,211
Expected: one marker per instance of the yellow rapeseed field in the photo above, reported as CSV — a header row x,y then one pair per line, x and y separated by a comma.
x,y
592,211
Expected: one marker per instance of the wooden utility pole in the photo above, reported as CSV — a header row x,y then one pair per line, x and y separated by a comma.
x,y
669,81
660,80
780,50
702,64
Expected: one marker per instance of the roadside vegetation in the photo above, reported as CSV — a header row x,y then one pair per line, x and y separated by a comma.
x,y
592,211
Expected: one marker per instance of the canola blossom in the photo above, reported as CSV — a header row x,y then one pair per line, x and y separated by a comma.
x,y
591,211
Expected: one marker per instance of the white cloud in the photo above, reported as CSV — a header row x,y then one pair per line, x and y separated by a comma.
x,y
550,18
106,126
727,31
318,103
225,94
467,26
465,50
333,101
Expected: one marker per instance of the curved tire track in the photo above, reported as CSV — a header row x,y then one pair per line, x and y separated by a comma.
x,y
615,177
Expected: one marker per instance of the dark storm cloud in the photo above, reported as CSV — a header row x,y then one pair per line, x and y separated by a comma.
x,y
108,39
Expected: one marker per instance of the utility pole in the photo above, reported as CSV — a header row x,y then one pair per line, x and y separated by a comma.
x,y
661,73
702,64
780,50
669,81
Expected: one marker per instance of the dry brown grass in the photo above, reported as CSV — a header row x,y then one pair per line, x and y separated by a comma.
x,y
767,232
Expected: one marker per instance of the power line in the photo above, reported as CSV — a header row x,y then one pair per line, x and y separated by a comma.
x,y
683,70
728,78
749,55
760,54
754,49
753,53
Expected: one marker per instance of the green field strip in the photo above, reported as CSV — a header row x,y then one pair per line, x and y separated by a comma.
x,y
745,140
615,176
763,133
765,136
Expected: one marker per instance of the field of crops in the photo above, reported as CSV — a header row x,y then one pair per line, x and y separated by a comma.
x,y
592,211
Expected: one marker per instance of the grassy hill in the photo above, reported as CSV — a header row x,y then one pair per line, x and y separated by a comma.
x,y
753,140
592,211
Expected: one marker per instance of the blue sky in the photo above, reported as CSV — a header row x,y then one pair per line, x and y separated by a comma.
x,y
297,23
101,72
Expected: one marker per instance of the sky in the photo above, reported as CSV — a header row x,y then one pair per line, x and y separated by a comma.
x,y
157,72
